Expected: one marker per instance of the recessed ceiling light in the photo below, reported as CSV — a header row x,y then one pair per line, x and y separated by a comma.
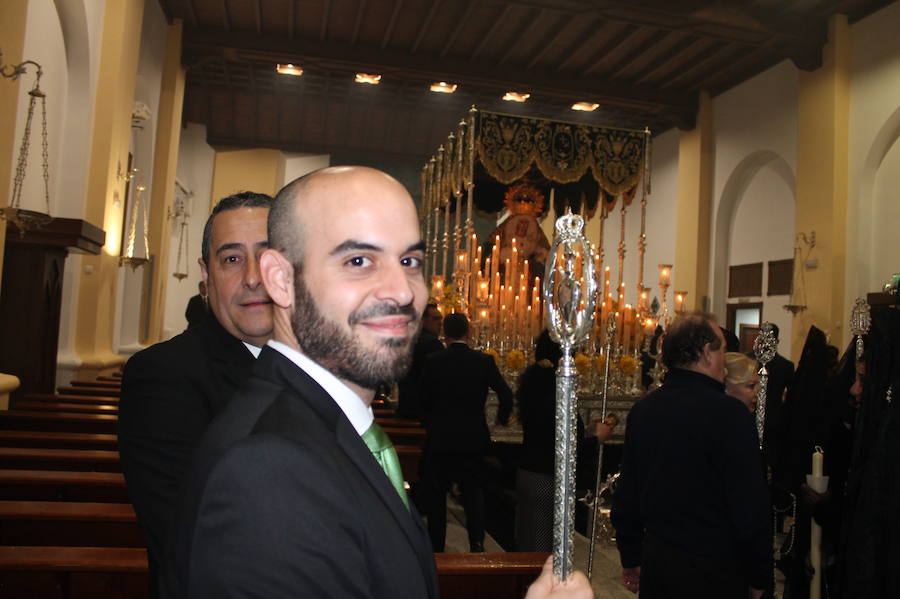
x,y
515,97
585,106
289,69
370,79
443,87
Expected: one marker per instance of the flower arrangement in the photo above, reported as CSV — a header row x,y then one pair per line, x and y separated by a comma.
x,y
493,353
515,359
600,363
582,363
627,364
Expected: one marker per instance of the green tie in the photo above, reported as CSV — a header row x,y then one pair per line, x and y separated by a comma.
x,y
381,447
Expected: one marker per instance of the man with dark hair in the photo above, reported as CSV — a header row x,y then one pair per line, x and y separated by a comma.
x,y
691,508
172,390
295,490
427,343
454,389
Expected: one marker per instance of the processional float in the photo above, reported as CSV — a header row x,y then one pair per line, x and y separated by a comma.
x,y
529,167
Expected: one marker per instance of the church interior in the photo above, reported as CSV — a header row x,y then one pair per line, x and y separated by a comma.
x,y
736,157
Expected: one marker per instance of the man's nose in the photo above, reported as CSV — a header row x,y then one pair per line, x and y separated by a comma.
x,y
395,284
252,279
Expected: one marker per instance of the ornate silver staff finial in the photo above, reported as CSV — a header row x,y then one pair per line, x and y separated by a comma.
x,y
860,322
765,347
569,295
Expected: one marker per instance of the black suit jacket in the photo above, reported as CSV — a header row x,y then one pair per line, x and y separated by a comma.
x,y
284,499
454,389
781,374
171,391
408,386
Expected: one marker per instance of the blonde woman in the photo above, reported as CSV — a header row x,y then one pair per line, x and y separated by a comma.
x,y
741,378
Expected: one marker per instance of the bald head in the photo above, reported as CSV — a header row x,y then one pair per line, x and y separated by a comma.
x,y
328,193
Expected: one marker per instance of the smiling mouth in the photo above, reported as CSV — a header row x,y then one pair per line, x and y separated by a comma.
x,y
389,326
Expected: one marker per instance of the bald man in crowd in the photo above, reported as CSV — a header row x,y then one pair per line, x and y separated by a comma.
x,y
171,391
295,491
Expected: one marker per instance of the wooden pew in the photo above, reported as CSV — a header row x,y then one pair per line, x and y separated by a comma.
x,y
101,391
69,524
487,575
99,382
109,572
83,399
73,408
82,460
58,440
73,572
397,423
56,485
401,435
93,460
27,420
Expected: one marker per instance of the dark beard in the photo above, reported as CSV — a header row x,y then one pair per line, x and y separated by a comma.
x,y
326,343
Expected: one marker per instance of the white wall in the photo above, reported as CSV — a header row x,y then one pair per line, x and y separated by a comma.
x,y
294,165
131,284
873,210
755,133
195,171
63,36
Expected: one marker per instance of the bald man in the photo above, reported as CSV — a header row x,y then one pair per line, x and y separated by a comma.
x,y
285,498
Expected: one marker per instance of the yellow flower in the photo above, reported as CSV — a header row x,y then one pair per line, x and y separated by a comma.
x,y
627,364
582,363
600,363
493,353
515,359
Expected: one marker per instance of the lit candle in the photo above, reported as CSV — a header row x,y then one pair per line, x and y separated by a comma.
x,y
680,301
665,273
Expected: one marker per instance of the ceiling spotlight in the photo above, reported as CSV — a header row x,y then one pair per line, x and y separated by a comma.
x,y
370,79
443,87
515,97
289,69
585,106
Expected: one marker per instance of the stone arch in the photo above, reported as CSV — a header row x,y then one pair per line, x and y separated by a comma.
x,y
732,194
73,169
73,166
888,135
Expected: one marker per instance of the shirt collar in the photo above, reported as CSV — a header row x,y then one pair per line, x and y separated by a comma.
x,y
358,413
252,348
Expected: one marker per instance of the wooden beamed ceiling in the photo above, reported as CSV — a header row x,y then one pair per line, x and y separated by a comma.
x,y
644,61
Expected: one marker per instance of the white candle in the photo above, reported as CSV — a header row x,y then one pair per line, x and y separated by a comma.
x,y
817,459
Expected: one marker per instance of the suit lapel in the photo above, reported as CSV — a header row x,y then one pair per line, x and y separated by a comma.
x,y
356,449
273,366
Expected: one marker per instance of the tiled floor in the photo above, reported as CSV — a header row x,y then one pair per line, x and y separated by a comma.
x,y
606,572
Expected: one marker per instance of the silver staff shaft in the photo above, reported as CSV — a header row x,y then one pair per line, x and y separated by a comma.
x,y
570,295
564,493
611,333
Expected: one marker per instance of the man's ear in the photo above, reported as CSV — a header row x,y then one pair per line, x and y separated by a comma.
x,y
278,277
204,275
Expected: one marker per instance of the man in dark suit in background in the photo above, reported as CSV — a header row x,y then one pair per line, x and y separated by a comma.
x,y
172,390
781,373
427,344
691,508
453,392
197,308
290,493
